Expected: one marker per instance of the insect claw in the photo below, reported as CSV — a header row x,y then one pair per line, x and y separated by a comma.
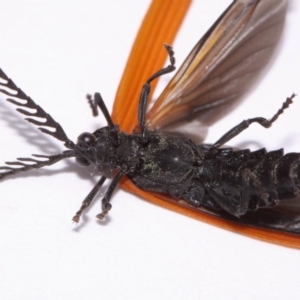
x,y
102,215
76,219
106,208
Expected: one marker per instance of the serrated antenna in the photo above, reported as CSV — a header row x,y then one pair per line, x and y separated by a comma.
x,y
9,88
19,98
15,167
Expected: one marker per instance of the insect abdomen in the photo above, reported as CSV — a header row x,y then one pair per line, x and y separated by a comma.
x,y
273,175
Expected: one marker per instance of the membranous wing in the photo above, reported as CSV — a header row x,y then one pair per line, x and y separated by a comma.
x,y
223,65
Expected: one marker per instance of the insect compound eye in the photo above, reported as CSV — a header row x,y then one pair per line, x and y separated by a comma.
x,y
86,139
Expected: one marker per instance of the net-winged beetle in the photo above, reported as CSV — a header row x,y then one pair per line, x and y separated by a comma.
x,y
235,185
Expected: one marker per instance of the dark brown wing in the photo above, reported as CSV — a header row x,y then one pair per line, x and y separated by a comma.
x,y
223,65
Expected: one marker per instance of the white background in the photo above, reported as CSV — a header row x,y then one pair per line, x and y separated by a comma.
x,y
57,51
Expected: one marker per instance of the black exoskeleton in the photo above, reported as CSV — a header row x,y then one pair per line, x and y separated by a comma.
x,y
222,179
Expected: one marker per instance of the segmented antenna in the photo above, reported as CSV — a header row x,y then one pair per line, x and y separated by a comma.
x,y
20,165
8,87
12,90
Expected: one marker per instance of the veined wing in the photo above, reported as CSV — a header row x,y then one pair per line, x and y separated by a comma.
x,y
223,65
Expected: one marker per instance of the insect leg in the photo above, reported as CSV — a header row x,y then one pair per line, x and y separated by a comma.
x,y
92,105
246,123
228,202
147,88
106,206
98,101
87,201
